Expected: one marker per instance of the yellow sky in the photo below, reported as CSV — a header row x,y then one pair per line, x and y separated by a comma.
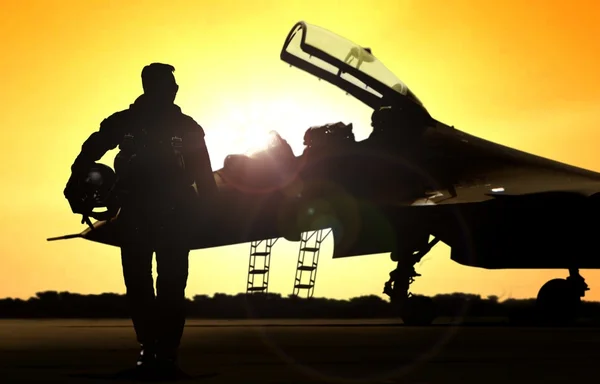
x,y
523,74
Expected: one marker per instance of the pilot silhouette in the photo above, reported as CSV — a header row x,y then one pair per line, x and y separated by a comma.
x,y
164,176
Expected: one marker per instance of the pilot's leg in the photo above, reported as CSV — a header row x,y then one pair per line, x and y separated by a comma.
x,y
172,267
171,236
137,273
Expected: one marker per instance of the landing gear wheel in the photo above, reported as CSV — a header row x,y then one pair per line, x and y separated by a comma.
x,y
418,310
557,303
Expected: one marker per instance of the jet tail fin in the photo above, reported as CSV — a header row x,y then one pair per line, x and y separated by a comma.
x,y
65,237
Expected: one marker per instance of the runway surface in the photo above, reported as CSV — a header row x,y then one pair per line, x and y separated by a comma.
x,y
306,351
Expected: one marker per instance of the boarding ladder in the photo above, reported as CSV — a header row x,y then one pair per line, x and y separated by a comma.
x,y
259,265
308,258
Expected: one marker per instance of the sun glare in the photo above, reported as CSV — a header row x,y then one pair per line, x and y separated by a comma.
x,y
247,128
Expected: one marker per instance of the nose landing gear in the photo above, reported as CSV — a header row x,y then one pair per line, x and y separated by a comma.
x,y
413,309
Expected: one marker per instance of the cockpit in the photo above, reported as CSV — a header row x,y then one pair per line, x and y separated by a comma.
x,y
355,70
345,64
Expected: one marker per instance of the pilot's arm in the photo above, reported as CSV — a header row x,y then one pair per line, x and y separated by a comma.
x,y
92,150
99,142
199,162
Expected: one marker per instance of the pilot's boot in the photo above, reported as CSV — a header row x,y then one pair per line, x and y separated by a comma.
x,y
167,367
147,356
146,364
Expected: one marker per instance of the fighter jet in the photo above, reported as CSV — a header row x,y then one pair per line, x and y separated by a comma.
x,y
412,180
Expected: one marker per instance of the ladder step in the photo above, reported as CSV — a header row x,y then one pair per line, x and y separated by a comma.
x,y
304,286
253,289
258,271
307,268
309,249
260,253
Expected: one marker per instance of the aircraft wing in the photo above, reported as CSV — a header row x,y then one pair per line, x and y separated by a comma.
x,y
471,169
367,198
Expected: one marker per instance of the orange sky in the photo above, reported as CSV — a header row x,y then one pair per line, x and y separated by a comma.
x,y
521,73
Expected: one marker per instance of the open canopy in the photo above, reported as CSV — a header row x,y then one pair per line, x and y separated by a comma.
x,y
345,64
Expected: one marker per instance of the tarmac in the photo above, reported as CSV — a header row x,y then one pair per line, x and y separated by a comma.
x,y
306,351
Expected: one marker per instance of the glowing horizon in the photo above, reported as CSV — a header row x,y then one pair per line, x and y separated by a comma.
x,y
526,78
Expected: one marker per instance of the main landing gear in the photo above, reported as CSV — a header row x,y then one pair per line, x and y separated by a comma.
x,y
414,310
559,300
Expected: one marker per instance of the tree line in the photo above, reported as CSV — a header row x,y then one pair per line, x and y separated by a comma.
x,y
52,304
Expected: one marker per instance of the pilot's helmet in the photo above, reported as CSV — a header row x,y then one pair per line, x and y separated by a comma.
x,y
97,185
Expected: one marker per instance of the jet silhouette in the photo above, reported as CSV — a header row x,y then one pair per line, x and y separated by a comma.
x,y
412,179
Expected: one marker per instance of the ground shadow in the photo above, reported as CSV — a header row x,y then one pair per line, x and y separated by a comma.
x,y
134,375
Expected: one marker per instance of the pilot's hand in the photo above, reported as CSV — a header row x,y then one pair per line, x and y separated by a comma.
x,y
70,187
72,193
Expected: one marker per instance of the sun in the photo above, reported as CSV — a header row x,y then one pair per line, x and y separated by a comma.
x,y
247,126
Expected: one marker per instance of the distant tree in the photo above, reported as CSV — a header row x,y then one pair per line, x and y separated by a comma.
x,y
52,304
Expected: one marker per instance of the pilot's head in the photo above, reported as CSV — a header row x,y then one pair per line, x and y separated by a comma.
x,y
159,82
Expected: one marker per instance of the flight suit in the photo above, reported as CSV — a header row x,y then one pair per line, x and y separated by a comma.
x,y
164,180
